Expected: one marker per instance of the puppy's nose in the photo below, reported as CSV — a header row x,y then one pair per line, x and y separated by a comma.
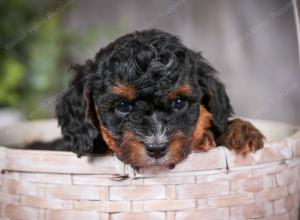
x,y
157,150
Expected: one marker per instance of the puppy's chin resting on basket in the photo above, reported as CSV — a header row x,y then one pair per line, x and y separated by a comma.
x,y
152,101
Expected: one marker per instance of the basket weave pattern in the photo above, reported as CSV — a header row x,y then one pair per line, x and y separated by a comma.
x,y
213,185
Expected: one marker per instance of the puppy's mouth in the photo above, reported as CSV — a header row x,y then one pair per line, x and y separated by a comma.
x,y
155,165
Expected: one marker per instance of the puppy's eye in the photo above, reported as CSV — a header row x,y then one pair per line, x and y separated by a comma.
x,y
123,107
179,104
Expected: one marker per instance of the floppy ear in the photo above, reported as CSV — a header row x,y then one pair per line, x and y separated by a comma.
x,y
77,116
215,98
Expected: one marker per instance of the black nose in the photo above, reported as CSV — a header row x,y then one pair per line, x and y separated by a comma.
x,y
157,151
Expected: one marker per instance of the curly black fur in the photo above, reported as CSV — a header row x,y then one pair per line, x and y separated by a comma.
x,y
154,62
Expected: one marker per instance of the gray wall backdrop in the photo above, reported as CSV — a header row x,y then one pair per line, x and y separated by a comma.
x,y
252,44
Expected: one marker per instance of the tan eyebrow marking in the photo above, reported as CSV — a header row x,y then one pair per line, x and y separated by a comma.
x,y
124,90
184,89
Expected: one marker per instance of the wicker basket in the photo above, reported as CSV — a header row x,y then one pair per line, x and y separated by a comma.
x,y
213,185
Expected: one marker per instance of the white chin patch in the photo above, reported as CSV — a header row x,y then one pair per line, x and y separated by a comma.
x,y
155,166
154,170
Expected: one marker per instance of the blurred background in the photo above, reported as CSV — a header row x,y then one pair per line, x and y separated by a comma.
x,y
253,44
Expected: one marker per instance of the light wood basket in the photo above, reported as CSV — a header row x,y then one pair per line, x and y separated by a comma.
x,y
213,185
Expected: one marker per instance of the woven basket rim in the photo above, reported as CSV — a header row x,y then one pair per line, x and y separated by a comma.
x,y
219,158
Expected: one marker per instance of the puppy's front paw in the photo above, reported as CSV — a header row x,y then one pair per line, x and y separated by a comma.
x,y
242,136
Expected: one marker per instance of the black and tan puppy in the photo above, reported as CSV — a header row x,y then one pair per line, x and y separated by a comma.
x,y
152,101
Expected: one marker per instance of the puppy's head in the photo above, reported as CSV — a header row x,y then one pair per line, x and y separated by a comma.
x,y
142,95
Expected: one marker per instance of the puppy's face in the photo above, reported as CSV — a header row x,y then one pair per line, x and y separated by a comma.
x,y
149,107
147,129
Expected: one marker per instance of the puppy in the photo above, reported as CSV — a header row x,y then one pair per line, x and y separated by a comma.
x,y
152,101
